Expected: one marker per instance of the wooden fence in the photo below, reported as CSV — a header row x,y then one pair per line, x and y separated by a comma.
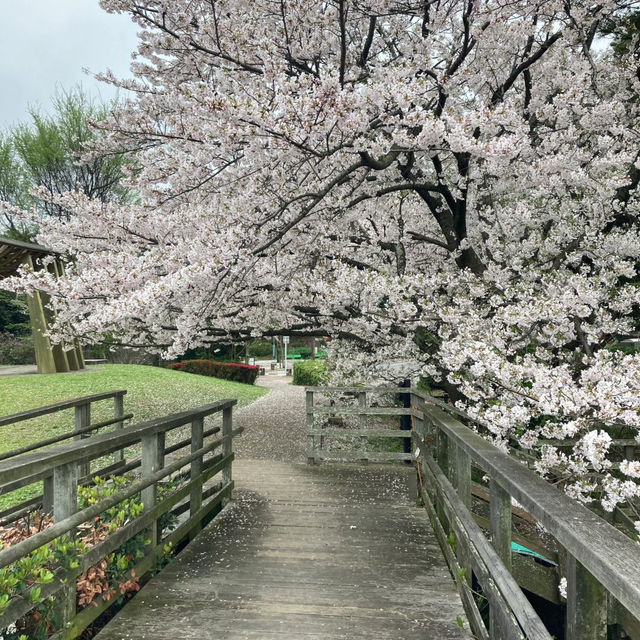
x,y
601,565
468,487
359,406
207,462
83,428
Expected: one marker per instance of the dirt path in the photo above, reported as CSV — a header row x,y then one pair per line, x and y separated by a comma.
x,y
274,424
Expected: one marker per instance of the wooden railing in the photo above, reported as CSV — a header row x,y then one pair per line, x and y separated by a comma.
x,y
208,462
469,488
82,428
357,439
601,565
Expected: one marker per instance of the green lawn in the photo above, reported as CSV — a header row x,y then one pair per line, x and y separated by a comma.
x,y
152,392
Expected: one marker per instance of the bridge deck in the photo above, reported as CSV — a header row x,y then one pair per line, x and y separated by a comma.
x,y
331,551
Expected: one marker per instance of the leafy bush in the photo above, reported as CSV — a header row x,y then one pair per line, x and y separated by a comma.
x,y
25,577
16,349
309,373
14,318
260,349
246,373
113,577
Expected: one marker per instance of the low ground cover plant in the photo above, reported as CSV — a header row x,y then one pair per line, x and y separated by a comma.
x,y
111,578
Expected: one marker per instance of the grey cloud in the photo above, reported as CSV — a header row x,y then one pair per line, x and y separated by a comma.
x,y
45,44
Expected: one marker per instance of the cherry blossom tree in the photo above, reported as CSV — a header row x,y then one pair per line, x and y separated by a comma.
x,y
451,184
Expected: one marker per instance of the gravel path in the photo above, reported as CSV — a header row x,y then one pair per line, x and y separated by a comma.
x,y
274,424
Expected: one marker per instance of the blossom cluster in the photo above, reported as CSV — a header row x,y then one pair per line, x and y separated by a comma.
x,y
448,190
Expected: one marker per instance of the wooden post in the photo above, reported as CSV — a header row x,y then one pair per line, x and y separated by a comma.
x,y
500,529
47,495
419,428
152,461
418,423
41,343
450,471
118,411
195,500
311,441
65,504
362,423
62,359
405,421
83,419
463,486
442,450
586,604
463,476
227,427
79,354
65,491
74,354
500,522
442,458
72,358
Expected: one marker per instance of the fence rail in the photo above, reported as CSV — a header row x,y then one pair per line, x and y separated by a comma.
x,y
208,462
468,486
60,406
601,565
326,443
82,428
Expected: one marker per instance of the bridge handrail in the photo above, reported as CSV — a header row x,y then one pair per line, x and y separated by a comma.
x,y
63,463
600,558
82,427
59,406
83,450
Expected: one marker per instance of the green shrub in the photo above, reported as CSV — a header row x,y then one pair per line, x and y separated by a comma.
x,y
110,578
260,349
308,373
16,349
13,314
246,373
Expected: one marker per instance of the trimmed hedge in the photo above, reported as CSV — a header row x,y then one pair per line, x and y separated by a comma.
x,y
308,373
246,373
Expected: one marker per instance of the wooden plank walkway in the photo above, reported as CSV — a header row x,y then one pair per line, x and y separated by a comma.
x,y
331,551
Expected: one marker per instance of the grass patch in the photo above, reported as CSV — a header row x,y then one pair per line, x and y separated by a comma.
x,y
152,392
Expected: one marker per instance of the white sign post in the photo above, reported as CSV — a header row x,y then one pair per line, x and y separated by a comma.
x,y
285,342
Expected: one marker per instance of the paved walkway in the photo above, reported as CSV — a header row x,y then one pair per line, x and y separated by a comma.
x,y
18,370
31,369
304,552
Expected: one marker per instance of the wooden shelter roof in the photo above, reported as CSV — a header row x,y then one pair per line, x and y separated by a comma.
x,y
14,252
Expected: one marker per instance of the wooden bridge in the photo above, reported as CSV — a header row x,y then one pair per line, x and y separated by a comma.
x,y
331,550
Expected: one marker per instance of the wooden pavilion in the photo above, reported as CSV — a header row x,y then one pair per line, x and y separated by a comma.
x,y
50,358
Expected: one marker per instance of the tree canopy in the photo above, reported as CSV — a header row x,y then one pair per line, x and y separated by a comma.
x,y
450,184
54,153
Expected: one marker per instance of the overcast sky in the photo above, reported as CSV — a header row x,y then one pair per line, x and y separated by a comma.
x,y
45,44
